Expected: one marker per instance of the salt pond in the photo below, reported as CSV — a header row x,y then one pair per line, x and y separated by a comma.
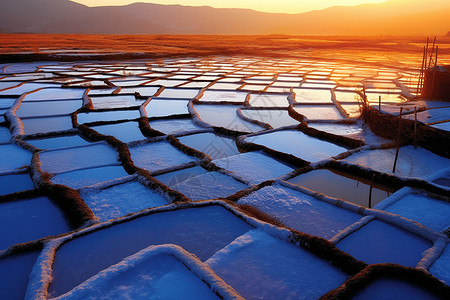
x,y
202,231
380,242
256,258
300,211
125,132
225,116
120,200
275,118
340,185
30,219
158,156
298,144
211,144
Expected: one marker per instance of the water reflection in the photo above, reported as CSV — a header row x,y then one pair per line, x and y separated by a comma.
x,y
341,185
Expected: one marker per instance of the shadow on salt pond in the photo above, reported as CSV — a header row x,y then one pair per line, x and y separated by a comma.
x,y
396,289
30,219
342,185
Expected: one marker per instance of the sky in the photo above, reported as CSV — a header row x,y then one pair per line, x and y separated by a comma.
x,y
274,6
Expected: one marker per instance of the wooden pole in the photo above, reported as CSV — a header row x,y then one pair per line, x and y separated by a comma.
x,y
431,53
379,103
398,138
434,74
370,191
415,127
421,75
425,67
364,104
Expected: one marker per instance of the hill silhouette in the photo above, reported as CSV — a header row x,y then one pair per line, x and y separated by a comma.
x,y
394,17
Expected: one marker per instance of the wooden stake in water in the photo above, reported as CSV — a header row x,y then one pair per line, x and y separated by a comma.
x,y
364,104
419,83
415,127
430,61
434,74
370,191
398,138
379,103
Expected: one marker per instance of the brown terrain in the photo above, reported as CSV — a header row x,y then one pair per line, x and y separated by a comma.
x,y
384,50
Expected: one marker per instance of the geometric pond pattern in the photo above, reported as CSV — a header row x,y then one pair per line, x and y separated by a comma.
x,y
219,177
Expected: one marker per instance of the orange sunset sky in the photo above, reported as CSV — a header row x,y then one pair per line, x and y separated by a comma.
x,y
279,6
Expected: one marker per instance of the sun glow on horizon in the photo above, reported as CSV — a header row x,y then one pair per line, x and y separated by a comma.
x,y
273,6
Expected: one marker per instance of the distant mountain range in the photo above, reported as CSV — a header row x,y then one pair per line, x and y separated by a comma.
x,y
393,17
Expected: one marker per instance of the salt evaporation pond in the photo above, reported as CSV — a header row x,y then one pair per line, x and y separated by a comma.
x,y
30,219
160,277
307,96
100,102
178,93
158,107
300,211
125,132
13,158
254,166
155,156
173,126
380,242
269,100
224,96
431,212
86,177
119,200
396,289
61,141
69,159
14,273
275,118
340,185
46,125
5,135
225,116
92,253
248,221
211,144
90,117
440,267
54,94
14,183
254,259
6,103
314,112
298,144
210,185
172,178
411,162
